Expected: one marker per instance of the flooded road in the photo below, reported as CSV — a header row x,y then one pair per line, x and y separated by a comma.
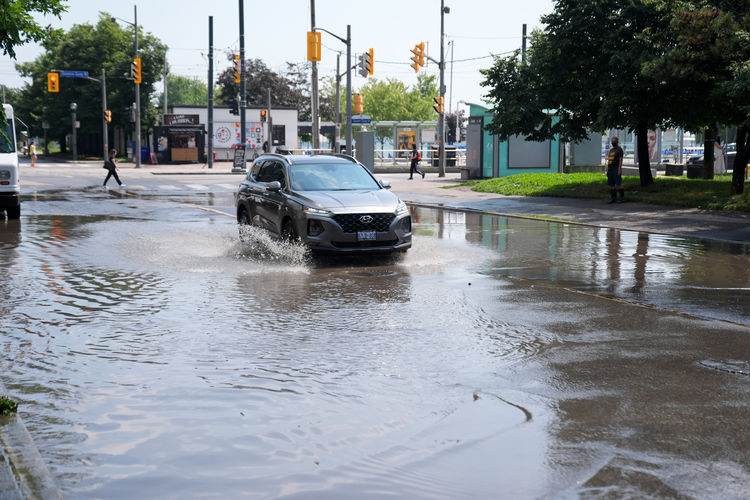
x,y
155,355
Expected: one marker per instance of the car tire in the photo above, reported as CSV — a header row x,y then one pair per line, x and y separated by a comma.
x,y
243,218
14,212
288,232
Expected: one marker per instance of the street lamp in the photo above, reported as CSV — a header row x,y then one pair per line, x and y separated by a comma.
x,y
73,142
137,89
348,42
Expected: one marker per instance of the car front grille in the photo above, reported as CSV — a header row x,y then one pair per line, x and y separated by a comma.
x,y
351,223
364,244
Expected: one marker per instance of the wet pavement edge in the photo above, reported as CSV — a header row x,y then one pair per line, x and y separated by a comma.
x,y
23,473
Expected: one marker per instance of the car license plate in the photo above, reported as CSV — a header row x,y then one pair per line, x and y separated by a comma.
x,y
365,235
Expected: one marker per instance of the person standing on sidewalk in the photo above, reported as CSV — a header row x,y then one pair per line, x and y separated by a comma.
x,y
614,171
111,166
415,157
32,153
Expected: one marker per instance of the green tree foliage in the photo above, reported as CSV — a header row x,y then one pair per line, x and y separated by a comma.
x,y
705,57
184,90
585,72
85,47
290,89
17,24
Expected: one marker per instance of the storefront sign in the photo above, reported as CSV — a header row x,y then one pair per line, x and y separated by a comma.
x,y
180,119
227,135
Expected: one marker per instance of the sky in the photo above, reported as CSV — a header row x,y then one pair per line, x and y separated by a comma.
x,y
275,32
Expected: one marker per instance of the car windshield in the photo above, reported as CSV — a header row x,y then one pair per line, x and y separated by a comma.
x,y
330,177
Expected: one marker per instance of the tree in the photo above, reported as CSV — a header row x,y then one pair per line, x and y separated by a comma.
x,y
17,24
585,72
287,90
91,48
18,27
705,56
184,90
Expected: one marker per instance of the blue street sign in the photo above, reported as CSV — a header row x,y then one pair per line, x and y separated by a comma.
x,y
74,74
361,120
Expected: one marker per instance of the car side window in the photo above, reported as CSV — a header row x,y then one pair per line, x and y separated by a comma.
x,y
252,175
277,174
264,174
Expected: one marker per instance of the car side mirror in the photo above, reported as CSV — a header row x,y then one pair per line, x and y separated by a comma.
x,y
274,186
385,183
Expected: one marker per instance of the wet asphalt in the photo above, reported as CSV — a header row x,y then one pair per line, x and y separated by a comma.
x,y
586,414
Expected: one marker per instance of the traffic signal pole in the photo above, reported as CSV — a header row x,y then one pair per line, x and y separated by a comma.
x,y
243,103
441,116
349,89
137,99
105,137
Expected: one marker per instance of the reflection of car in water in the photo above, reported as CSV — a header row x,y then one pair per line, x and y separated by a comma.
x,y
330,202
10,186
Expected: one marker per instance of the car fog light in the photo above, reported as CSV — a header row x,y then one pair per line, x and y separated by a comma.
x,y
314,227
406,225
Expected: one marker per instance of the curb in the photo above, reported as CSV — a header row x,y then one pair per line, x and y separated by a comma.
x,y
23,473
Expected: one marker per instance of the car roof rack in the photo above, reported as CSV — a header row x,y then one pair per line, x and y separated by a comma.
x,y
341,155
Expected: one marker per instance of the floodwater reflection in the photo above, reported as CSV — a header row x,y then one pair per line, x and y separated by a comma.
x,y
705,278
156,354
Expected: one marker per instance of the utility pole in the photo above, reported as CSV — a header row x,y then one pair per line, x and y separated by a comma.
x,y
105,136
314,104
165,105
450,95
269,122
74,140
137,98
243,103
337,142
441,116
349,90
523,44
210,135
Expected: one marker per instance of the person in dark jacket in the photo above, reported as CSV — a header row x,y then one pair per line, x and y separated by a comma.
x,y
415,157
614,171
111,166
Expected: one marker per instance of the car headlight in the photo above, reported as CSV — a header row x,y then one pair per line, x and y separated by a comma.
x,y
4,175
401,208
318,211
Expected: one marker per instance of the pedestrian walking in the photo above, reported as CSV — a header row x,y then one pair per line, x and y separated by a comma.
x,y
415,157
614,171
111,166
32,152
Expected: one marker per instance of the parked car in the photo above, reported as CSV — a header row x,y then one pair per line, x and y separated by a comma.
x,y
730,151
10,184
330,202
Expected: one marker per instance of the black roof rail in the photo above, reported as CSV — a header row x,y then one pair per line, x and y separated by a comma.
x,y
341,155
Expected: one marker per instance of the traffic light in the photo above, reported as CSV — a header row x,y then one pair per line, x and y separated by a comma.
x,y
53,82
263,115
313,45
418,56
234,106
108,115
359,104
438,107
366,61
136,69
237,75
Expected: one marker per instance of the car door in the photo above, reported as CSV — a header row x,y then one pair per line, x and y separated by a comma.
x,y
249,190
274,200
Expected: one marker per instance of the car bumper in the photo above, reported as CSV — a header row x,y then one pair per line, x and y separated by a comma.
x,y
9,199
335,239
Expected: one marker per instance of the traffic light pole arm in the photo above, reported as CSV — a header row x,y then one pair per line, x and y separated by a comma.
x,y
435,61
343,40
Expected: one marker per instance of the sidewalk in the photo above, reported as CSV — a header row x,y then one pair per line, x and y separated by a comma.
x,y
687,222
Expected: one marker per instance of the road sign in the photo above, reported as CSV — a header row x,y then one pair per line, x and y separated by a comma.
x,y
361,120
74,74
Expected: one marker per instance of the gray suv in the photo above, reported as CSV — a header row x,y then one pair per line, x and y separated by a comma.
x,y
330,202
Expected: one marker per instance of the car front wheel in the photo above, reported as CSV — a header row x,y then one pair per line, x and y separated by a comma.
x,y
289,233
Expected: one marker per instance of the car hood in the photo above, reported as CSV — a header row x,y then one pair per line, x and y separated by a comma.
x,y
379,200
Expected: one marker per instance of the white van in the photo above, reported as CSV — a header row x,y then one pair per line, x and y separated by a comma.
x,y
10,184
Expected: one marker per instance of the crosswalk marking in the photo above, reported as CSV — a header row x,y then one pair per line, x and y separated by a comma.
x,y
231,187
198,187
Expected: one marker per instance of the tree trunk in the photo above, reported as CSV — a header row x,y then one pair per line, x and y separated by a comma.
x,y
740,161
644,163
708,153
63,144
